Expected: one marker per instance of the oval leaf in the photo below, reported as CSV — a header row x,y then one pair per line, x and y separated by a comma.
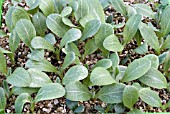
x,y
38,78
77,92
20,101
119,6
26,31
104,63
131,27
50,91
14,41
19,13
154,78
3,65
112,43
39,21
144,9
154,60
136,69
111,93
150,97
41,43
130,96
165,22
90,47
42,65
19,78
75,74
47,7
72,35
90,29
96,10
2,99
150,37
83,9
100,76
104,31
66,11
68,60
55,24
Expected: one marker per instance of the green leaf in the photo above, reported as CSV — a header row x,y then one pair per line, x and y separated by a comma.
x,y
36,55
42,65
20,90
71,47
119,6
131,27
3,64
104,31
90,29
77,92
135,111
3,34
100,76
96,10
19,78
154,78
33,4
136,69
130,96
119,108
41,43
154,60
38,78
90,47
71,35
114,57
104,63
2,99
39,21
50,91
55,24
144,9
111,93
67,22
58,6
14,41
143,49
150,97
66,11
74,74
68,60
19,13
166,65
47,7
71,104
20,101
50,38
8,19
150,37
26,31
112,43
162,57
86,19
166,44
104,3
83,9
131,11
79,109
165,28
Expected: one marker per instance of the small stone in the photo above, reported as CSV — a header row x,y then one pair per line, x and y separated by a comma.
x,y
56,102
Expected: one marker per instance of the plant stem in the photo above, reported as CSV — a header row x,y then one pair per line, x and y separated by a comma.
x,y
32,106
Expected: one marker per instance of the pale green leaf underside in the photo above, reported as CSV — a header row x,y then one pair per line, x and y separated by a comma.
x,y
50,91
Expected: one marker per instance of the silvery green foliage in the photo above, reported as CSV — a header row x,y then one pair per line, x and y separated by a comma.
x,y
63,34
